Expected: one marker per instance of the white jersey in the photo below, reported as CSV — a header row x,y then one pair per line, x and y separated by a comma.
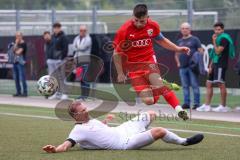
x,y
97,135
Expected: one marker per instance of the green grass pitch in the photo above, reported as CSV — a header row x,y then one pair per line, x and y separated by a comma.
x,y
23,137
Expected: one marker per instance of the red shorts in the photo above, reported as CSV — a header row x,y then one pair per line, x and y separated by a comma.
x,y
139,75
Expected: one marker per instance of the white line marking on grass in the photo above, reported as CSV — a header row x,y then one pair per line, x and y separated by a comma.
x,y
28,116
116,124
203,132
192,131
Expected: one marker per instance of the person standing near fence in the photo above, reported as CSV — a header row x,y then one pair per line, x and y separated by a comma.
x,y
56,61
19,62
82,49
48,46
223,48
188,76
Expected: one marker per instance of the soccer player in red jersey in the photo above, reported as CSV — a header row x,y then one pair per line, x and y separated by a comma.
x,y
134,57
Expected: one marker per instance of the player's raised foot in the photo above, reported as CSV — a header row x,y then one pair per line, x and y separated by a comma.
x,y
172,86
183,114
194,140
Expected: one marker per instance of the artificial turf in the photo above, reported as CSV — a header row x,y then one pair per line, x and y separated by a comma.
x,y
23,137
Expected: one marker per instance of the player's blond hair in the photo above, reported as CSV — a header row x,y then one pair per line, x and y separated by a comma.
x,y
72,108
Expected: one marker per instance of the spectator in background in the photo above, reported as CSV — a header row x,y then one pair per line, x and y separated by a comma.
x,y
187,75
20,50
56,61
222,48
237,68
48,46
82,49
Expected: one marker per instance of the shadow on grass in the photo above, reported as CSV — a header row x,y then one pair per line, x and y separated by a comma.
x,y
122,151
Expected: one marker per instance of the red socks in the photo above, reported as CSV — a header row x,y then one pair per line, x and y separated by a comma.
x,y
168,95
172,99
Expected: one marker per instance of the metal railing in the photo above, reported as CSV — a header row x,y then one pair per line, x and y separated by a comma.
x,y
35,22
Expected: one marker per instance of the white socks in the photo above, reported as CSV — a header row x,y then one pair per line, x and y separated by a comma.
x,y
178,108
171,137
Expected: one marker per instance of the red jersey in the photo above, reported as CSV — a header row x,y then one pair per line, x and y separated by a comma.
x,y
135,43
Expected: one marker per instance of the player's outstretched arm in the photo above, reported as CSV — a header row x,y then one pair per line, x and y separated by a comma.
x,y
167,44
61,148
118,64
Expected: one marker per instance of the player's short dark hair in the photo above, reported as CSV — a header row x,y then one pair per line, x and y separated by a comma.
x,y
46,32
57,25
219,24
140,10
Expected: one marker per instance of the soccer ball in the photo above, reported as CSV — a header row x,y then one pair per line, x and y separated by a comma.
x,y
47,85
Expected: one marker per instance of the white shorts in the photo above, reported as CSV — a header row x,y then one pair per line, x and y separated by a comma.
x,y
135,133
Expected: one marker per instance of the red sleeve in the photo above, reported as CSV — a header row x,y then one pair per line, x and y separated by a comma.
x,y
156,29
119,39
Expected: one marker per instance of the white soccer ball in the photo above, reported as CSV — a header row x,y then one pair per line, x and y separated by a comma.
x,y
47,85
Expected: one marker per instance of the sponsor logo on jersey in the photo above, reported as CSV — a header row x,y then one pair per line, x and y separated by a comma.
x,y
153,66
142,42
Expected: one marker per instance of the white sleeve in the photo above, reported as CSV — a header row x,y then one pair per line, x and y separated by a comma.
x,y
90,40
75,135
87,44
75,42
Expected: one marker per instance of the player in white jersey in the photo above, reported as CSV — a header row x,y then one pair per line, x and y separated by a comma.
x,y
133,134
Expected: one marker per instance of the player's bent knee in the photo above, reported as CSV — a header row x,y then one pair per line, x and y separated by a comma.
x,y
221,85
152,114
148,100
161,81
209,84
158,133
